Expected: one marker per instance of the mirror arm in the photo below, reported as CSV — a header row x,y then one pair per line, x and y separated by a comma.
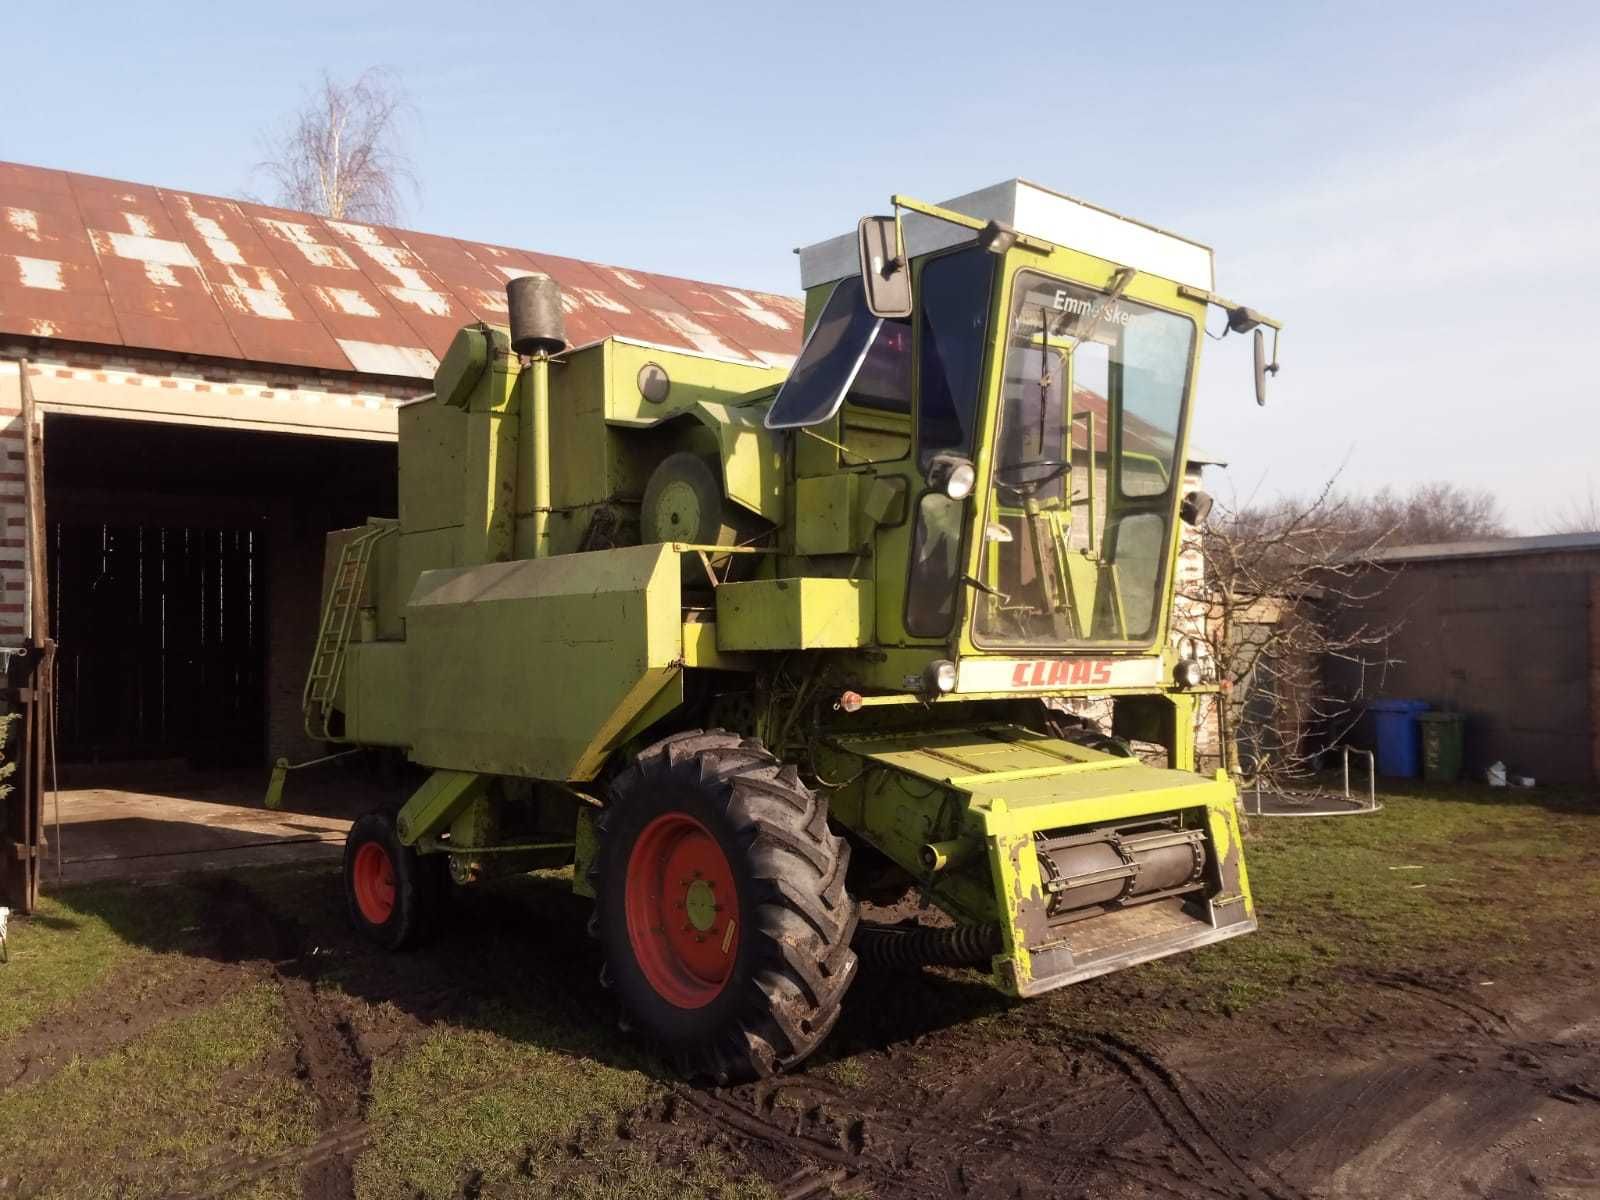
x,y
1240,318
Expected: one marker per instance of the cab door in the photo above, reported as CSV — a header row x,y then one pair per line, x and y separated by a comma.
x,y
955,297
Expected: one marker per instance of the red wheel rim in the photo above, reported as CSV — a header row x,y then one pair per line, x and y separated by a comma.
x,y
682,910
372,877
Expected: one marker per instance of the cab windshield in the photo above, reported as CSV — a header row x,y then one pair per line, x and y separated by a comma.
x,y
1076,536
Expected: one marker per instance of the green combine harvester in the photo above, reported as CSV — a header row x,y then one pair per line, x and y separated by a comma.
x,y
750,650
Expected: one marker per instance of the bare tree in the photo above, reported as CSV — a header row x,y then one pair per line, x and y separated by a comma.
x,y
341,154
1429,512
1261,613
1580,515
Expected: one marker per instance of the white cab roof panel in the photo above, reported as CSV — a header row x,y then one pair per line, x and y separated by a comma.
x,y
1041,213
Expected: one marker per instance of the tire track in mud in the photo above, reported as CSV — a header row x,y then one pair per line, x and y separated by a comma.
x,y
110,1017
997,1130
329,1059
1490,1022
1187,1119
1490,1104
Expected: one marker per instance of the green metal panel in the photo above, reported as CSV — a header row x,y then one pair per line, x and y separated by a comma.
x,y
442,796
534,668
694,379
825,510
807,613
373,694
586,845
752,466
462,366
426,550
433,444
579,446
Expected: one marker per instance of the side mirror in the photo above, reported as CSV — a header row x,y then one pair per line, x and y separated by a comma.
x,y
885,274
1263,368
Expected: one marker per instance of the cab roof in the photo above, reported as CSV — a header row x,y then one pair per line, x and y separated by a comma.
x,y
1041,213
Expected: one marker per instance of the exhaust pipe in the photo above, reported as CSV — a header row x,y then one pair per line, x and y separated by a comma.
x,y
538,331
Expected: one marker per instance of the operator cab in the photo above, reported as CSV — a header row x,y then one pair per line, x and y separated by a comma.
x,y
1042,384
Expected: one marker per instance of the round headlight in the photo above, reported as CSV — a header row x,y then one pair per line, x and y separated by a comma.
x,y
958,484
942,675
1189,673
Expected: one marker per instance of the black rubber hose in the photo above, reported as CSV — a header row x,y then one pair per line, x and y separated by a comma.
x,y
927,946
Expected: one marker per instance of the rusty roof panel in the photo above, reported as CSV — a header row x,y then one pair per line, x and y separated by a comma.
x,y
45,297
158,295
115,263
406,281
766,327
50,283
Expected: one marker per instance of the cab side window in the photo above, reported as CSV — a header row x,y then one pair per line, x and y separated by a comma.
x,y
875,420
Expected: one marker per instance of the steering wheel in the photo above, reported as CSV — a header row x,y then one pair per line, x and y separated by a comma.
x,y
1053,468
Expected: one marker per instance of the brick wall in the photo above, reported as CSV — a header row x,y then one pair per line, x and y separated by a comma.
x,y
13,513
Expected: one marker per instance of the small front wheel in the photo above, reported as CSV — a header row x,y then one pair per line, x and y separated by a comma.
x,y
391,891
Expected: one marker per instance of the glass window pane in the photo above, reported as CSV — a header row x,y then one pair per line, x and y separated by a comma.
x,y
828,365
1056,569
935,565
875,423
1130,610
1155,367
953,311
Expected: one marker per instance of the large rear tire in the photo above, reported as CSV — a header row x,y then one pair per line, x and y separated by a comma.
x,y
721,906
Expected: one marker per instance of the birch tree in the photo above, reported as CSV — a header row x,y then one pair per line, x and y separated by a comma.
x,y
341,155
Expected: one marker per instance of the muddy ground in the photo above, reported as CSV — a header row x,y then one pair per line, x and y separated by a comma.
x,y
1472,1071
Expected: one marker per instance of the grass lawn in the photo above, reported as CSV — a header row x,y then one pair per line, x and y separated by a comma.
x,y
489,1064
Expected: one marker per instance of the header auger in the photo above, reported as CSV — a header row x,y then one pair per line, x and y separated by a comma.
x,y
746,647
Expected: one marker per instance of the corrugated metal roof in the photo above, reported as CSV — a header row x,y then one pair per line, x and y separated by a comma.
x,y
1555,543
124,264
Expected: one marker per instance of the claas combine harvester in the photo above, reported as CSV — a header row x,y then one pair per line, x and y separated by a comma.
x,y
750,649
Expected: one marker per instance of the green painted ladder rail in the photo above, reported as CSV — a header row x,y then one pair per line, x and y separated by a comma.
x,y
333,636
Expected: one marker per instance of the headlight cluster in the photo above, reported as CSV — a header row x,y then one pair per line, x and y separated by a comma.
x,y
953,475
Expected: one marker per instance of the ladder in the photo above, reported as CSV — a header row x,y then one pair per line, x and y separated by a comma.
x,y
333,635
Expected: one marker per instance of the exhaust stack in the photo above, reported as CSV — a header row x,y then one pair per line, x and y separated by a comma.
x,y
538,331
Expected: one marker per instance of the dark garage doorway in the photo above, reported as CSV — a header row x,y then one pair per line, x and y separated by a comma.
x,y
163,649
185,572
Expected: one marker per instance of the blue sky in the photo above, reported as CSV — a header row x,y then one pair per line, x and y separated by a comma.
x,y
1414,189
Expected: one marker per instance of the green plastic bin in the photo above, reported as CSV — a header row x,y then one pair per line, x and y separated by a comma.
x,y
1441,745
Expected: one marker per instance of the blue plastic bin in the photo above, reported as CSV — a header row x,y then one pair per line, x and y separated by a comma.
x,y
1398,736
